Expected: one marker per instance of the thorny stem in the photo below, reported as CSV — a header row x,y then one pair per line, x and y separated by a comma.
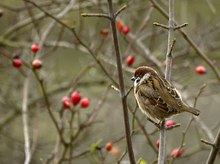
x,y
170,41
214,150
121,84
162,148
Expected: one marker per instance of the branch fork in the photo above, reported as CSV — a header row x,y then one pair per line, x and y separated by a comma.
x,y
176,27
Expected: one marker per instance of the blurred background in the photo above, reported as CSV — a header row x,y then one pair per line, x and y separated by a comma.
x,y
68,65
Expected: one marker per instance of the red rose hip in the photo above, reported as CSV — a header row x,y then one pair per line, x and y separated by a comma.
x,y
158,143
177,152
130,60
85,102
35,48
75,97
104,32
37,64
170,123
66,102
108,146
120,25
126,30
200,70
17,63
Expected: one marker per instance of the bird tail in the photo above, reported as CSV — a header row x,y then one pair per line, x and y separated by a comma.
x,y
192,110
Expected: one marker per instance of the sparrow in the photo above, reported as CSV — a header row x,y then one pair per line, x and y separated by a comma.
x,y
157,97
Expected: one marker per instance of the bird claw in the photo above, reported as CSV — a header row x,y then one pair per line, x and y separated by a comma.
x,y
158,125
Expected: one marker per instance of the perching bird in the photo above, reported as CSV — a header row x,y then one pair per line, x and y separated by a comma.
x,y
156,97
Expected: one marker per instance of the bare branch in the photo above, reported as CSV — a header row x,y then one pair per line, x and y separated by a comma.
x,y
214,150
161,25
206,142
121,84
120,10
27,144
96,15
180,26
162,148
171,47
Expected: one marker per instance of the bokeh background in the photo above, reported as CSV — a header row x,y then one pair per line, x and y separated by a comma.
x,y
68,66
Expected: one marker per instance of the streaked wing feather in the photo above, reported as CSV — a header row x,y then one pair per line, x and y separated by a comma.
x,y
172,91
153,98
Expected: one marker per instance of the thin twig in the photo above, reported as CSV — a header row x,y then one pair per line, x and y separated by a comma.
x,y
180,26
31,15
202,125
161,25
121,84
48,105
162,148
122,156
24,23
211,6
199,93
27,144
214,150
205,128
96,15
206,142
120,10
171,47
51,25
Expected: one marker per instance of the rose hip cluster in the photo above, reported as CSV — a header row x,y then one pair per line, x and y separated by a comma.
x,y
125,30
36,63
175,153
122,28
74,100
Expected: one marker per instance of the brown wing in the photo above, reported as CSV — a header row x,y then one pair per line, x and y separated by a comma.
x,y
170,93
153,98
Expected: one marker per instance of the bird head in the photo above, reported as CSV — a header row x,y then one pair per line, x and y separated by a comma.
x,y
142,74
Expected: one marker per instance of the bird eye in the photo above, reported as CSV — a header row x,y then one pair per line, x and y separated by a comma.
x,y
133,78
138,80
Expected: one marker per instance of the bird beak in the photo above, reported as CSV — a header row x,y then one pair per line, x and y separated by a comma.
x,y
133,78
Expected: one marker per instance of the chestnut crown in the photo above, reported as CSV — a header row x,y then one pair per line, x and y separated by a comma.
x,y
141,71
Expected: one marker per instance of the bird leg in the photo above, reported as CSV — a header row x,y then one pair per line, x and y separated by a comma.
x,y
158,125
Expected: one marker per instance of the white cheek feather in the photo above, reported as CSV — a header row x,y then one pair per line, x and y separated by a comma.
x,y
145,78
135,86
